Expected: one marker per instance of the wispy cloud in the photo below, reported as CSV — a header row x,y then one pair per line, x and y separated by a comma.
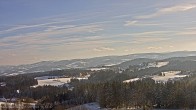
x,y
101,49
187,33
169,10
171,46
54,28
129,50
143,40
190,28
104,30
122,16
137,23
52,25
19,27
48,37
148,33
129,23
154,48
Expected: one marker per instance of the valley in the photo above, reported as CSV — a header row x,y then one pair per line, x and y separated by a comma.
x,y
71,88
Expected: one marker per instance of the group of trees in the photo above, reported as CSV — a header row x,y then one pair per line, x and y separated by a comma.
x,y
22,83
146,94
15,84
106,88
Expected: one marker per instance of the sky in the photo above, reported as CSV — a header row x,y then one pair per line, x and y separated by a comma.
x,y
42,30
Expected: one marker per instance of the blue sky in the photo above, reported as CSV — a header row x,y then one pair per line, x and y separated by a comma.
x,y
39,30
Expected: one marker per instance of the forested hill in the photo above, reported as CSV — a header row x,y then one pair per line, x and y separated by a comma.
x,y
86,63
142,83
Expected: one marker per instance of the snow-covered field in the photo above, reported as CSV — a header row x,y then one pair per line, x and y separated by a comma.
x,y
131,80
97,69
76,64
53,82
166,76
113,64
13,74
83,78
160,64
110,64
56,80
157,64
169,75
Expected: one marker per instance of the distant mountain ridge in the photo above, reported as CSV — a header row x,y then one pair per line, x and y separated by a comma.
x,y
87,63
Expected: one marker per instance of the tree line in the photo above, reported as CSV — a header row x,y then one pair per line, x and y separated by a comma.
x,y
145,94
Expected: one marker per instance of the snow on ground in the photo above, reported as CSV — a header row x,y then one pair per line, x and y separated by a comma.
x,y
63,80
160,64
97,69
157,64
88,106
126,59
167,76
83,78
76,64
4,74
55,81
56,69
131,80
113,64
15,74
92,106
110,64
